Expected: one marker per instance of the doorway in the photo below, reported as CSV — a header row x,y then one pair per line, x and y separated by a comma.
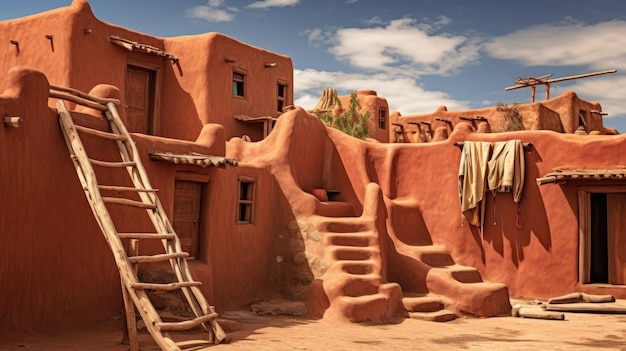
x,y
186,219
603,235
140,99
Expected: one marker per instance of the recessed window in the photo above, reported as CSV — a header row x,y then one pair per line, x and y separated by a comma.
x,y
245,203
382,118
238,84
581,118
282,96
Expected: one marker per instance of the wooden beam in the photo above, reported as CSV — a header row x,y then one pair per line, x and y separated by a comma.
x,y
547,82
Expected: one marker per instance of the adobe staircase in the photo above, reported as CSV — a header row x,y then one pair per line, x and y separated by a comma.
x,y
357,289
140,195
354,282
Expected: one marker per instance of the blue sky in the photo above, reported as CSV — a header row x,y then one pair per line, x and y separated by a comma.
x,y
418,54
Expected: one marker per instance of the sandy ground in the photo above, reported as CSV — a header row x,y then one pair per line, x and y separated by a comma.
x,y
579,331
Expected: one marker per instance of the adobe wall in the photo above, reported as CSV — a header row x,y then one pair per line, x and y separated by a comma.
x,y
204,87
559,114
420,182
372,103
52,247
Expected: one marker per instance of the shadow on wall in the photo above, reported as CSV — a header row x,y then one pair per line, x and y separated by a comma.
x,y
516,223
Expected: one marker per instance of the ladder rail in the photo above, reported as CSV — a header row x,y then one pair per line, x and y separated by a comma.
x,y
134,292
193,294
88,180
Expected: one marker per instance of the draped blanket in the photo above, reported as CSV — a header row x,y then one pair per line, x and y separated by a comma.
x,y
481,169
472,173
506,168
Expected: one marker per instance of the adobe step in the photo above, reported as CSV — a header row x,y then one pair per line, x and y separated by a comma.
x,y
460,273
359,239
360,308
352,253
433,255
423,303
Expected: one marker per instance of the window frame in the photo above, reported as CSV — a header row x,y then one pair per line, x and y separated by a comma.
x,y
382,118
281,99
245,201
239,84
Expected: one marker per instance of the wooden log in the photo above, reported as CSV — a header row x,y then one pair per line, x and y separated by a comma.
x,y
84,95
99,133
77,100
597,298
130,332
164,287
146,236
14,122
186,325
111,164
127,202
125,188
569,298
545,180
588,307
537,312
158,258
581,297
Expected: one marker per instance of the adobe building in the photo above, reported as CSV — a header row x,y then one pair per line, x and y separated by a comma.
x,y
170,87
352,230
566,113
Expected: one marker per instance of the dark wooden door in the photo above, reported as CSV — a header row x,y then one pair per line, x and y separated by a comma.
x,y
616,215
139,96
187,196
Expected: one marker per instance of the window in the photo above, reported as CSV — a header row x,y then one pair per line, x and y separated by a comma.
x,y
282,96
245,203
238,84
581,118
382,118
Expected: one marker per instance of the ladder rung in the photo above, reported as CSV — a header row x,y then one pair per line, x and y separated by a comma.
x,y
164,287
186,325
111,164
145,236
99,133
128,202
126,188
157,258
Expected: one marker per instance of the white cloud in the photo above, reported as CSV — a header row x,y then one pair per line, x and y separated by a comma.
x,y
264,4
317,37
571,43
597,47
213,11
405,46
402,93
604,90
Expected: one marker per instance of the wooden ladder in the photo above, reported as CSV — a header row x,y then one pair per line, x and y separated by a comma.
x,y
133,290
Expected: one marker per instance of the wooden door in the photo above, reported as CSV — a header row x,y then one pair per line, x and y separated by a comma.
x,y
187,196
616,216
139,96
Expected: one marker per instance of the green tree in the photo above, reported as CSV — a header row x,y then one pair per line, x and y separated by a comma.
x,y
351,121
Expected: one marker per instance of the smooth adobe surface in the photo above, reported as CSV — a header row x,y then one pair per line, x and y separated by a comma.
x,y
577,332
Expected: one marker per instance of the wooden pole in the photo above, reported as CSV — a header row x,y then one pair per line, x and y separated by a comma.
x,y
538,82
14,122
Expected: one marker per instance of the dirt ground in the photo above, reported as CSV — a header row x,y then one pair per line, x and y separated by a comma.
x,y
579,331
